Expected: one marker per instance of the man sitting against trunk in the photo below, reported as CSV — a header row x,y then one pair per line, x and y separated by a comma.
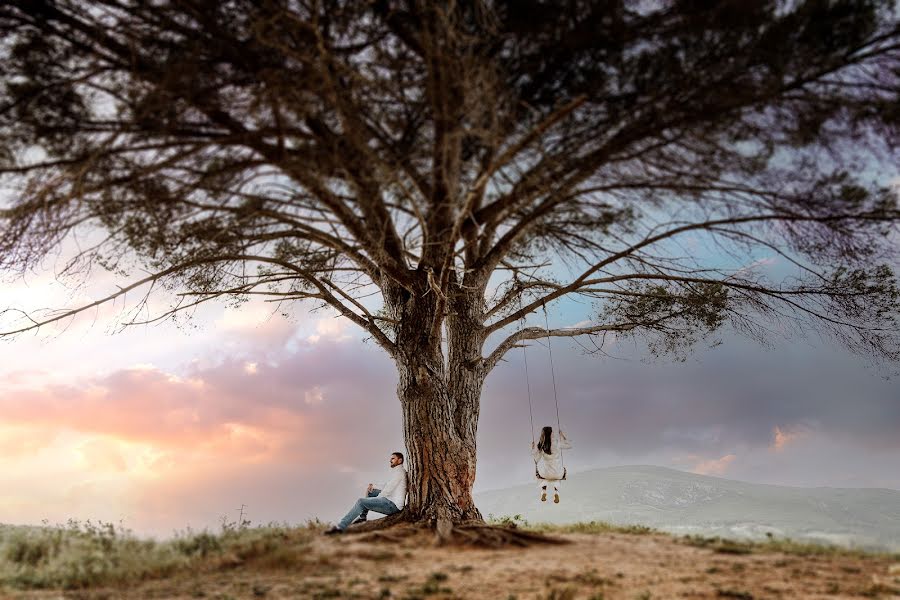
x,y
387,500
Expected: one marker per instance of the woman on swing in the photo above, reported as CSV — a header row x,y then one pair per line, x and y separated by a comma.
x,y
548,461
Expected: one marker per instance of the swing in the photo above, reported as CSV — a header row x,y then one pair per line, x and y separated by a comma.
x,y
537,473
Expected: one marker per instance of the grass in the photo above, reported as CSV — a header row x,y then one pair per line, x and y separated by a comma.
x,y
93,555
782,545
592,527
82,555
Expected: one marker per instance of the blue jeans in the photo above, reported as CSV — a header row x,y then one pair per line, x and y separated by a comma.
x,y
364,505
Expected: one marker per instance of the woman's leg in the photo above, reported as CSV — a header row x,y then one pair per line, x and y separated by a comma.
x,y
556,492
543,485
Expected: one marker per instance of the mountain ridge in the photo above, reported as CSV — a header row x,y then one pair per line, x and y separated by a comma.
x,y
688,503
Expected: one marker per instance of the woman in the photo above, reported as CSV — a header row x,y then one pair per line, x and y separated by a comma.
x,y
548,460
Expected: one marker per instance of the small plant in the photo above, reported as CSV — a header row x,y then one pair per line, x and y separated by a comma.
x,y
512,522
737,595
563,594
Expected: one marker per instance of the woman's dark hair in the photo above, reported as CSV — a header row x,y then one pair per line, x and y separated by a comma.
x,y
545,443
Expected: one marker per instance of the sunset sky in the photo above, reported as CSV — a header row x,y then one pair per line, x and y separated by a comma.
x,y
164,427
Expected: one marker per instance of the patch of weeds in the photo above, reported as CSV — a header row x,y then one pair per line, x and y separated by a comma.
x,y
593,527
738,595
713,570
433,584
591,578
717,544
197,544
384,593
325,593
430,587
259,590
738,567
513,522
782,563
391,578
850,569
645,595
81,555
876,590
283,557
376,555
832,588
563,594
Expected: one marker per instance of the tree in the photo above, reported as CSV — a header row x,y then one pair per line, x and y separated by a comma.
x,y
445,155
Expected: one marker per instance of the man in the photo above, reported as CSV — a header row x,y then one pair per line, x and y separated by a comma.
x,y
387,500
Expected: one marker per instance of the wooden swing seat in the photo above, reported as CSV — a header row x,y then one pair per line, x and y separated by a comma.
x,y
538,475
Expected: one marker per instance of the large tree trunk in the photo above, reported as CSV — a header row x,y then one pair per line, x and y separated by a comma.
x,y
440,398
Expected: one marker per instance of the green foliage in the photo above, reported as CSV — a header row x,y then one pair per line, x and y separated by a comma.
x,y
673,317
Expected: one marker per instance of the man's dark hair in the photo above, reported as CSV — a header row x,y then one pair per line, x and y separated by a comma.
x,y
398,455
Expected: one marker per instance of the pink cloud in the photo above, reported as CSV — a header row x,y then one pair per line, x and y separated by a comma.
x,y
716,466
163,450
782,437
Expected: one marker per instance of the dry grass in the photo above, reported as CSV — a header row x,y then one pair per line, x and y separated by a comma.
x,y
601,562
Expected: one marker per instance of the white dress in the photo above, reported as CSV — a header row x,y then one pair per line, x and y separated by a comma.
x,y
550,466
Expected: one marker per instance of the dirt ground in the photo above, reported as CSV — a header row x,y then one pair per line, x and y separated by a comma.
x,y
590,567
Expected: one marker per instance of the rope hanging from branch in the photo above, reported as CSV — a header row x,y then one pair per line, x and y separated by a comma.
x,y
555,394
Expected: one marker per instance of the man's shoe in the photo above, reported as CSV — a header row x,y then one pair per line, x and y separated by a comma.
x,y
334,531
359,520
556,498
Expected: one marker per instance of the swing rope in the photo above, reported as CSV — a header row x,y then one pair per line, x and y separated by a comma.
x,y
555,396
528,384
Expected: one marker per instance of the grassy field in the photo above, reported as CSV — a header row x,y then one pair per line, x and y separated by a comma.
x,y
601,561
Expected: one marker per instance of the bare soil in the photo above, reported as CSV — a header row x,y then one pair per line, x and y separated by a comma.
x,y
588,567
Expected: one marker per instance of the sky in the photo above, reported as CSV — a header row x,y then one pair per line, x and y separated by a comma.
x,y
163,428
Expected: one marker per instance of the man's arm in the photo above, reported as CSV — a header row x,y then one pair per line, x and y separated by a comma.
x,y
398,474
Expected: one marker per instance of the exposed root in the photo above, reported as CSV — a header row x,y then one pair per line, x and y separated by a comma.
x,y
400,527
494,536
381,524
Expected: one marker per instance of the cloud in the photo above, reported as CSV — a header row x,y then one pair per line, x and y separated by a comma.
x,y
716,466
330,329
314,396
781,438
184,436
294,419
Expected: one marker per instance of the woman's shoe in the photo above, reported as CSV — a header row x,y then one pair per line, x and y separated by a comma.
x,y
556,498
543,496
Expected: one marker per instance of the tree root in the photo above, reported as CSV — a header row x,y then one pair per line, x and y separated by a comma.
x,y
401,527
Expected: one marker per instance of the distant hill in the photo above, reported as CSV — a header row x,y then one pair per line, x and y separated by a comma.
x,y
686,503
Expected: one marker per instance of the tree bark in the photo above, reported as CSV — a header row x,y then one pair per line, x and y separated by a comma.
x,y
440,398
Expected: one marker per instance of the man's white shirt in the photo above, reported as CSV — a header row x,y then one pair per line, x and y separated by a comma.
x,y
395,488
